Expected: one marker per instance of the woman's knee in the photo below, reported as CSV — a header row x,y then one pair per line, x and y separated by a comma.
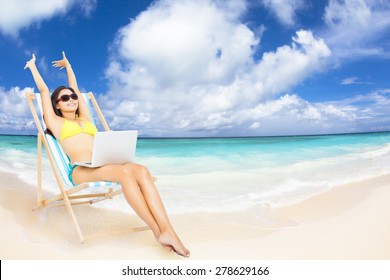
x,y
143,171
123,173
138,170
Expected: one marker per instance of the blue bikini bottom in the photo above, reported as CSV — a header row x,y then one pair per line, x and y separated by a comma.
x,y
71,168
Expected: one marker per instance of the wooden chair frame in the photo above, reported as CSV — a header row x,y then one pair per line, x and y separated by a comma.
x,y
68,194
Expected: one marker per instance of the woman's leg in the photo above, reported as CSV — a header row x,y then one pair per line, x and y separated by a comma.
x,y
141,193
145,181
133,195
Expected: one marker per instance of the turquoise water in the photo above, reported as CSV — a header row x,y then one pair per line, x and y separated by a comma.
x,y
231,174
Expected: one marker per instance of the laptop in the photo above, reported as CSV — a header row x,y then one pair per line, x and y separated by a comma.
x,y
112,147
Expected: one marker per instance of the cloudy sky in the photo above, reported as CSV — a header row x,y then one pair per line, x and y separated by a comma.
x,y
189,68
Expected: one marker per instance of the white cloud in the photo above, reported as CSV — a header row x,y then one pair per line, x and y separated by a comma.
x,y
291,114
284,10
355,27
349,81
87,6
187,72
15,115
371,110
354,81
289,65
172,41
18,14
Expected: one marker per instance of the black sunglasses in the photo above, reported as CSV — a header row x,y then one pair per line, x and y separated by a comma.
x,y
66,97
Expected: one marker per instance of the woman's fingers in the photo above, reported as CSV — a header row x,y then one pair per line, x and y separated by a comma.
x,y
31,61
61,63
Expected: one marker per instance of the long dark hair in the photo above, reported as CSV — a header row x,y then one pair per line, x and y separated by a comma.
x,y
54,99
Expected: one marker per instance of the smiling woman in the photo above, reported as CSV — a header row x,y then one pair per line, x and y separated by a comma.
x,y
68,118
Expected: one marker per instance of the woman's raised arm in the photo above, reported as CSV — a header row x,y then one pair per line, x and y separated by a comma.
x,y
64,63
42,87
72,81
50,116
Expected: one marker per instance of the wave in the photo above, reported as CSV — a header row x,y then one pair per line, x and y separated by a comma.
x,y
216,182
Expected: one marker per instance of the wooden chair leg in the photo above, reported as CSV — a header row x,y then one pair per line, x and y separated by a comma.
x,y
40,198
69,208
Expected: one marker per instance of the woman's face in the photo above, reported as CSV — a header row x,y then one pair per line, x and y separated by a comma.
x,y
67,103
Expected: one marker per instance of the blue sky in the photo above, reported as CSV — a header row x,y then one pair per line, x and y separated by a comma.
x,y
189,68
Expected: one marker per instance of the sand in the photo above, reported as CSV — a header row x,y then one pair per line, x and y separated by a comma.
x,y
350,222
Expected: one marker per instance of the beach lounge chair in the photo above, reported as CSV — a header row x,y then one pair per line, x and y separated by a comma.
x,y
70,194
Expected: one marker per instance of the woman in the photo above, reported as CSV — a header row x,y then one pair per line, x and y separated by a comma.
x,y
67,117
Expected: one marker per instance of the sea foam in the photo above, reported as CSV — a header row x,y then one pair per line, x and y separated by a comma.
x,y
232,174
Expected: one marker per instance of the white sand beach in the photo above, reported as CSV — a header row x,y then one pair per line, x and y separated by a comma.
x,y
348,222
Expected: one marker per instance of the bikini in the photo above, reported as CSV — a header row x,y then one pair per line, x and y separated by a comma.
x,y
70,129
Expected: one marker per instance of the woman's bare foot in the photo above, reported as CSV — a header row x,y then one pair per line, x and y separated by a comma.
x,y
172,240
169,248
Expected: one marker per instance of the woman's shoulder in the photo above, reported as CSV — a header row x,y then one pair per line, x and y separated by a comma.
x,y
55,126
84,118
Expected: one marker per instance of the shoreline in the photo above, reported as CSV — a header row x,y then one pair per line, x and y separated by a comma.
x,y
347,222
242,136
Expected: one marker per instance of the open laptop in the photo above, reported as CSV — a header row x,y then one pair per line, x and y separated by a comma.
x,y
112,147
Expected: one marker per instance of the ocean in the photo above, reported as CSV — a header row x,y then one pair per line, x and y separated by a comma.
x,y
222,175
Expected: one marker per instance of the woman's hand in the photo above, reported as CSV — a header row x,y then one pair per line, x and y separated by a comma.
x,y
63,63
31,62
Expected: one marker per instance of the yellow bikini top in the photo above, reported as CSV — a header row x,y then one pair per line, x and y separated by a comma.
x,y
70,129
